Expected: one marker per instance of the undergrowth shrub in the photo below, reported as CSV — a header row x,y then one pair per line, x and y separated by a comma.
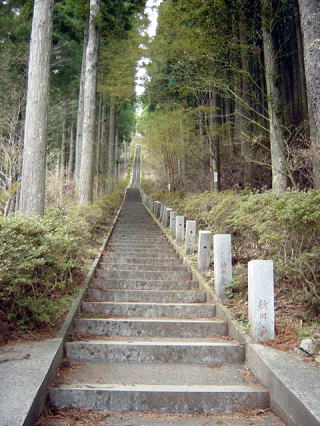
x,y
40,256
283,227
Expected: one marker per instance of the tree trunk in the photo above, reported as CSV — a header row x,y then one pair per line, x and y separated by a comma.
x,y
35,135
245,111
277,140
116,152
310,24
104,150
63,150
111,139
80,103
85,184
71,153
214,143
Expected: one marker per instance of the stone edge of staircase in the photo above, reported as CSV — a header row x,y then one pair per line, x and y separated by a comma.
x,y
33,392
290,399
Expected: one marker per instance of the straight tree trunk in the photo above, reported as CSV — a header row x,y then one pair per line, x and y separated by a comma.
x,y
71,153
214,143
245,130
33,180
85,184
80,103
116,152
104,150
277,139
310,24
302,77
111,157
63,150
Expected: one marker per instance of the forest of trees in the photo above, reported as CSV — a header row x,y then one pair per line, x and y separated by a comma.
x,y
233,94
67,103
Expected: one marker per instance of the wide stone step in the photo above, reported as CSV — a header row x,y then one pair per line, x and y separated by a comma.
x,y
147,296
105,284
145,327
142,267
150,310
135,255
154,256
204,352
163,399
144,275
149,251
140,261
146,247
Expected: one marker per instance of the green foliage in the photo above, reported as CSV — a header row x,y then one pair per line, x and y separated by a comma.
x,y
283,227
40,255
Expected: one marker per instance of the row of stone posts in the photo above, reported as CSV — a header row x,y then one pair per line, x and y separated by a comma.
x,y
260,272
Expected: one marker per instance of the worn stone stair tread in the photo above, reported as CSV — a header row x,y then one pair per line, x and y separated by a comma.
x,y
153,327
158,310
170,296
123,284
157,398
156,373
141,268
156,351
158,320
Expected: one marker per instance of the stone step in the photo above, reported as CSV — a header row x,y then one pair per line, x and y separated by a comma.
x,y
148,296
150,310
146,246
164,399
204,352
142,267
145,327
105,284
154,256
144,275
140,261
156,373
150,251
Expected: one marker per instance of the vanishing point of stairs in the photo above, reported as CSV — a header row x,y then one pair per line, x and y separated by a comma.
x,y
149,341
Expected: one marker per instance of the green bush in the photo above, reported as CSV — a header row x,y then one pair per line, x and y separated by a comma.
x,y
40,255
283,227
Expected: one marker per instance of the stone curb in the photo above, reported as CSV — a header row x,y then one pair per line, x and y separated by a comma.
x,y
54,353
291,400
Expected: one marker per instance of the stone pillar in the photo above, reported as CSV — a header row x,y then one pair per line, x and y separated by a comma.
x,y
173,216
157,208
261,299
191,233
204,250
164,212
180,229
167,217
161,211
222,264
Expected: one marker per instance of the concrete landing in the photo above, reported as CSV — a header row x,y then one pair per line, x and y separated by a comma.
x,y
25,373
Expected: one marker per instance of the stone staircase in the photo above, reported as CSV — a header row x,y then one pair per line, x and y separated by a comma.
x,y
149,340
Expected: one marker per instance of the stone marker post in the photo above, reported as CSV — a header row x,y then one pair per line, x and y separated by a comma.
x,y
204,249
173,216
164,214
261,299
167,217
191,233
180,229
161,211
222,264
157,208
